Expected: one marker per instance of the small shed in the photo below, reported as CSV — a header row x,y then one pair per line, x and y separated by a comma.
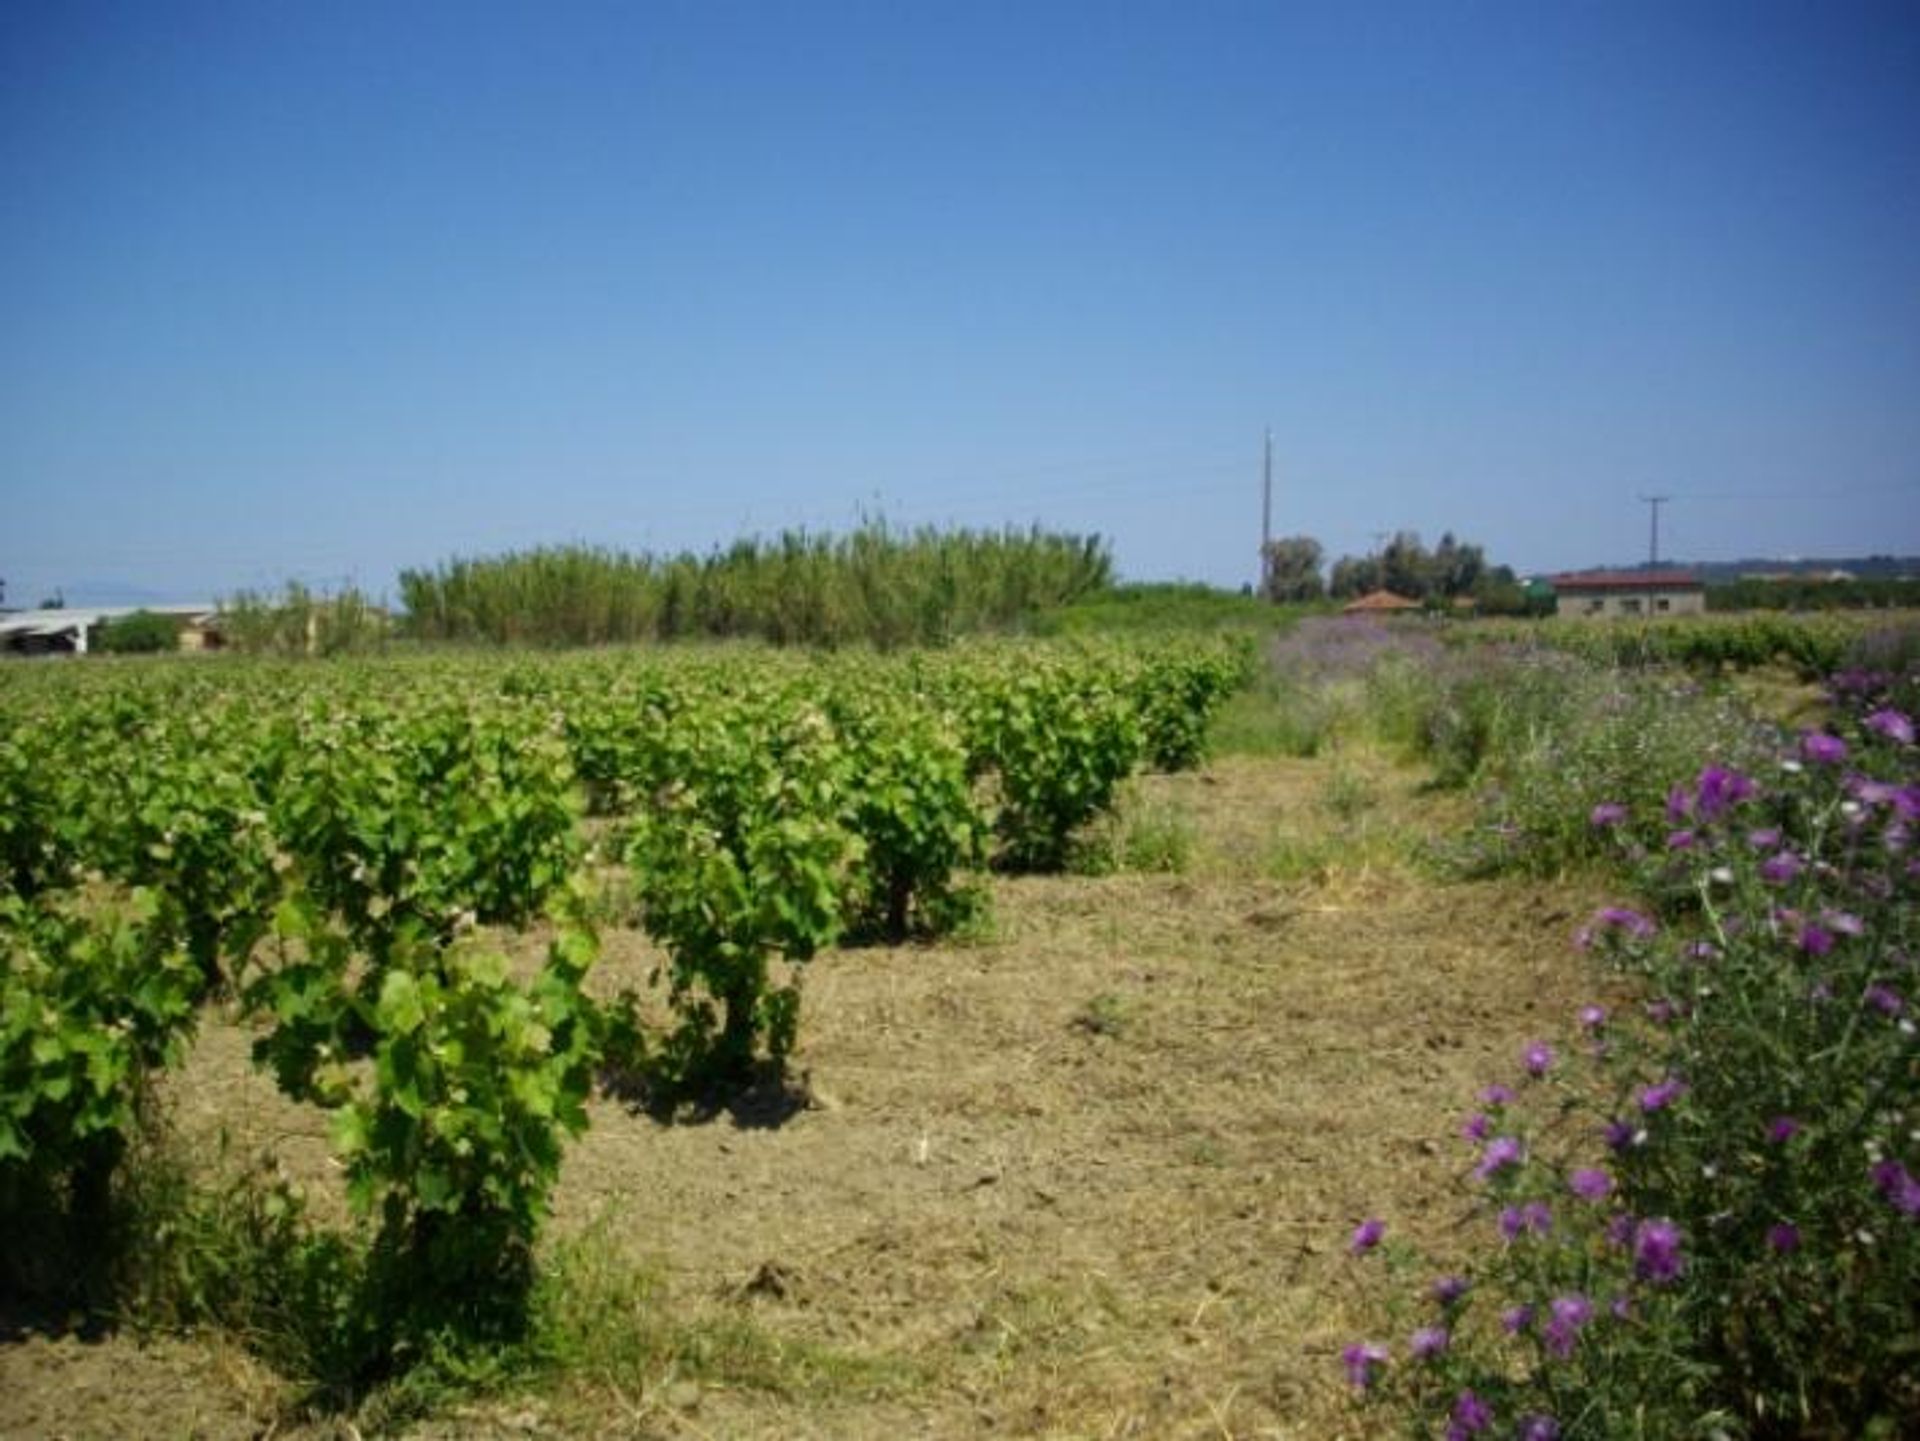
x,y
1631,593
1379,602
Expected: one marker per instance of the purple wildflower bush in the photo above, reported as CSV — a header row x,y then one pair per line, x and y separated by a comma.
x,y
1554,745
1321,673
1701,1214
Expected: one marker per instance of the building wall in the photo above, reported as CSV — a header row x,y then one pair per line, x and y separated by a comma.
x,y
1633,605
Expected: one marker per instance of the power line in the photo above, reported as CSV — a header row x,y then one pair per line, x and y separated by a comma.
x,y
1903,488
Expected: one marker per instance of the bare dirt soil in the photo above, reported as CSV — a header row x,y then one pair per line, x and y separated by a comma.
x,y
1090,1176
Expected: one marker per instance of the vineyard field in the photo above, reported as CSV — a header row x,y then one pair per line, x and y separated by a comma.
x,y
1127,1037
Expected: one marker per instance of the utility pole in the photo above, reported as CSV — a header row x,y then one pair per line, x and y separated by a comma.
x,y
1266,516
1654,502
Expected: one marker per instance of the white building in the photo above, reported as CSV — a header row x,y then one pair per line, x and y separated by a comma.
x,y
71,629
1641,593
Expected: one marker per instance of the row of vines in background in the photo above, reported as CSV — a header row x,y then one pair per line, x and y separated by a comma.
x,y
1812,646
318,846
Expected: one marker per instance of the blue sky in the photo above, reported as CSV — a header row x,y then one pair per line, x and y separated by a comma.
x,y
326,290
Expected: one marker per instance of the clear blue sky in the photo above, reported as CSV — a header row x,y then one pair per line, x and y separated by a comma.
x,y
323,290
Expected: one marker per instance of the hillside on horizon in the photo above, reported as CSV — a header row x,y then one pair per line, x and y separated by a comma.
x,y
1720,572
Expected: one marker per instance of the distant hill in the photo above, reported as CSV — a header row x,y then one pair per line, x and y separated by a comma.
x,y
1724,572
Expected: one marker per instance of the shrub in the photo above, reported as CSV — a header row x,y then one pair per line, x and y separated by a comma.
x,y
90,1006
452,1136
1059,742
744,859
912,807
142,633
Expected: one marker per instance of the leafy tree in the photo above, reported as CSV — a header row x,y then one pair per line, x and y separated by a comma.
x,y
1293,569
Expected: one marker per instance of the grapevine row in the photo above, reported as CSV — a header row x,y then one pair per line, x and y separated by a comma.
x,y
317,844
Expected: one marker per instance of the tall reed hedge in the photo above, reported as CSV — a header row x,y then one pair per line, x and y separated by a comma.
x,y
875,584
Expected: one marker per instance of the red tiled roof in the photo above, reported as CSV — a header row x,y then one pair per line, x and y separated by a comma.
x,y
1379,600
1628,580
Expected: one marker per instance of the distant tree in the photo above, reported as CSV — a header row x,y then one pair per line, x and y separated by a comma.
x,y
1354,575
56,601
142,633
1406,567
1456,568
1293,569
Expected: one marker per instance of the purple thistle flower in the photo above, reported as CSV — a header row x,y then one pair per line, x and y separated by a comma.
x,y
1607,813
1781,867
1843,923
1575,1309
1366,1236
1361,1360
1625,918
1516,1319
1898,1185
1764,840
1476,1126
1658,1097
1656,1251
1822,749
1449,1289
1660,1010
1815,939
1620,1135
1782,1129
1590,1184
1568,1315
1517,1221
1679,803
1702,951
1497,1095
1538,1428
1784,1236
1593,1017
1719,790
1680,840
1872,792
1620,1307
1537,1058
1884,999
1471,1416
1501,1152
1620,1229
1428,1342
1891,724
